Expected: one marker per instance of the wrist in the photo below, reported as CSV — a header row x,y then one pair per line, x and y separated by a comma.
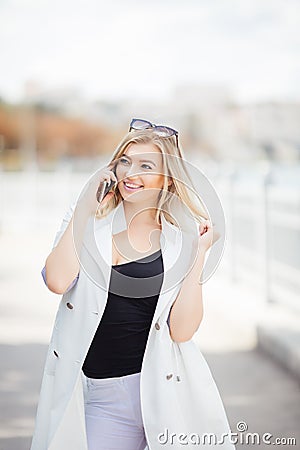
x,y
202,249
83,211
197,264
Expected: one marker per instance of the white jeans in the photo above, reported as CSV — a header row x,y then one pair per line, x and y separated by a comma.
x,y
113,413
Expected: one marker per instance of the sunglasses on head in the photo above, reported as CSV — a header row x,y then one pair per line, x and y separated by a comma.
x,y
161,130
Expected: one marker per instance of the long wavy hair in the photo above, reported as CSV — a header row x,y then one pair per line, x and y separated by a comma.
x,y
174,167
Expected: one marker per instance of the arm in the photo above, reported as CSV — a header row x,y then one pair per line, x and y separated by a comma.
x,y
61,269
62,265
187,310
43,272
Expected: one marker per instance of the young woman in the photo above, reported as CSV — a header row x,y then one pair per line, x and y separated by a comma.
x,y
122,371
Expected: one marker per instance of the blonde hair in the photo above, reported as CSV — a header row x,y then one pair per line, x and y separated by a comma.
x,y
174,167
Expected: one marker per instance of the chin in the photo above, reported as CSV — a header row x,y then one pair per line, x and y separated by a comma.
x,y
147,196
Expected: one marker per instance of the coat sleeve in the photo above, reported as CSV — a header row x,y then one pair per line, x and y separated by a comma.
x,y
65,222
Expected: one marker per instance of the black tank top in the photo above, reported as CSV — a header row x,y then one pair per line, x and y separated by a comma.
x,y
119,343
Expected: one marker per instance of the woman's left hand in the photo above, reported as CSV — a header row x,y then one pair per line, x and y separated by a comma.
x,y
208,235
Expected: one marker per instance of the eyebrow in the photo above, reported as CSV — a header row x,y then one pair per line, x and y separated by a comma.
x,y
141,160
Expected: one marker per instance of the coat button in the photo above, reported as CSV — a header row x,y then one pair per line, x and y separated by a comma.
x,y
55,353
70,306
157,326
168,377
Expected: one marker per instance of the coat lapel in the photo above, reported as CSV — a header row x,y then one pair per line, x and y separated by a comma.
x,y
98,243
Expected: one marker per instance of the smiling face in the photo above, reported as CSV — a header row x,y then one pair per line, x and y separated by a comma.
x,y
140,173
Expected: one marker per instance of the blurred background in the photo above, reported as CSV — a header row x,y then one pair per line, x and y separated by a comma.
x,y
227,76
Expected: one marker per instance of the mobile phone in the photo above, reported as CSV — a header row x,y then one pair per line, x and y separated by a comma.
x,y
105,187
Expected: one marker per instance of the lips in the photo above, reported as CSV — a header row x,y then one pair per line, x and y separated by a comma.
x,y
131,186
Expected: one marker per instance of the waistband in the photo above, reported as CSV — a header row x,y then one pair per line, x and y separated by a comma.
x,y
101,381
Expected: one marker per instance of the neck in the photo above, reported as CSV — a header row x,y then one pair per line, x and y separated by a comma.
x,y
139,215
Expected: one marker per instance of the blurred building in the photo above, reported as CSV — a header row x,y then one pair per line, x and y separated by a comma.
x,y
53,124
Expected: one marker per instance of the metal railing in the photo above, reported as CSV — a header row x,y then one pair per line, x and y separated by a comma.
x,y
262,221
263,232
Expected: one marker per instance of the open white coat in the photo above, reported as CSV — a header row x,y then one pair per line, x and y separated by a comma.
x,y
179,396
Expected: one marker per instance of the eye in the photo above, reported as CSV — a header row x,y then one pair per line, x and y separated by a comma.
x,y
123,160
147,166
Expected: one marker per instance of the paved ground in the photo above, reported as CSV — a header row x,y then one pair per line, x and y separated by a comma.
x,y
254,388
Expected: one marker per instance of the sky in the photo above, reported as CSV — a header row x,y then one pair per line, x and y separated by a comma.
x,y
120,49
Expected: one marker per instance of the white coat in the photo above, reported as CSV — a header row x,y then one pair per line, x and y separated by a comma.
x,y
179,396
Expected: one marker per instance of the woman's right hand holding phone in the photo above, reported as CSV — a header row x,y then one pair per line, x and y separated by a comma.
x,y
88,198
63,264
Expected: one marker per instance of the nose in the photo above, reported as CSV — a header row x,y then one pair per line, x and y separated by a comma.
x,y
131,171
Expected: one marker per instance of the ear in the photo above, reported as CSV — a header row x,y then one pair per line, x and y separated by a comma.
x,y
170,181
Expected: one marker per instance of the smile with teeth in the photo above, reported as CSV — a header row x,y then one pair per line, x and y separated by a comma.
x,y
131,186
